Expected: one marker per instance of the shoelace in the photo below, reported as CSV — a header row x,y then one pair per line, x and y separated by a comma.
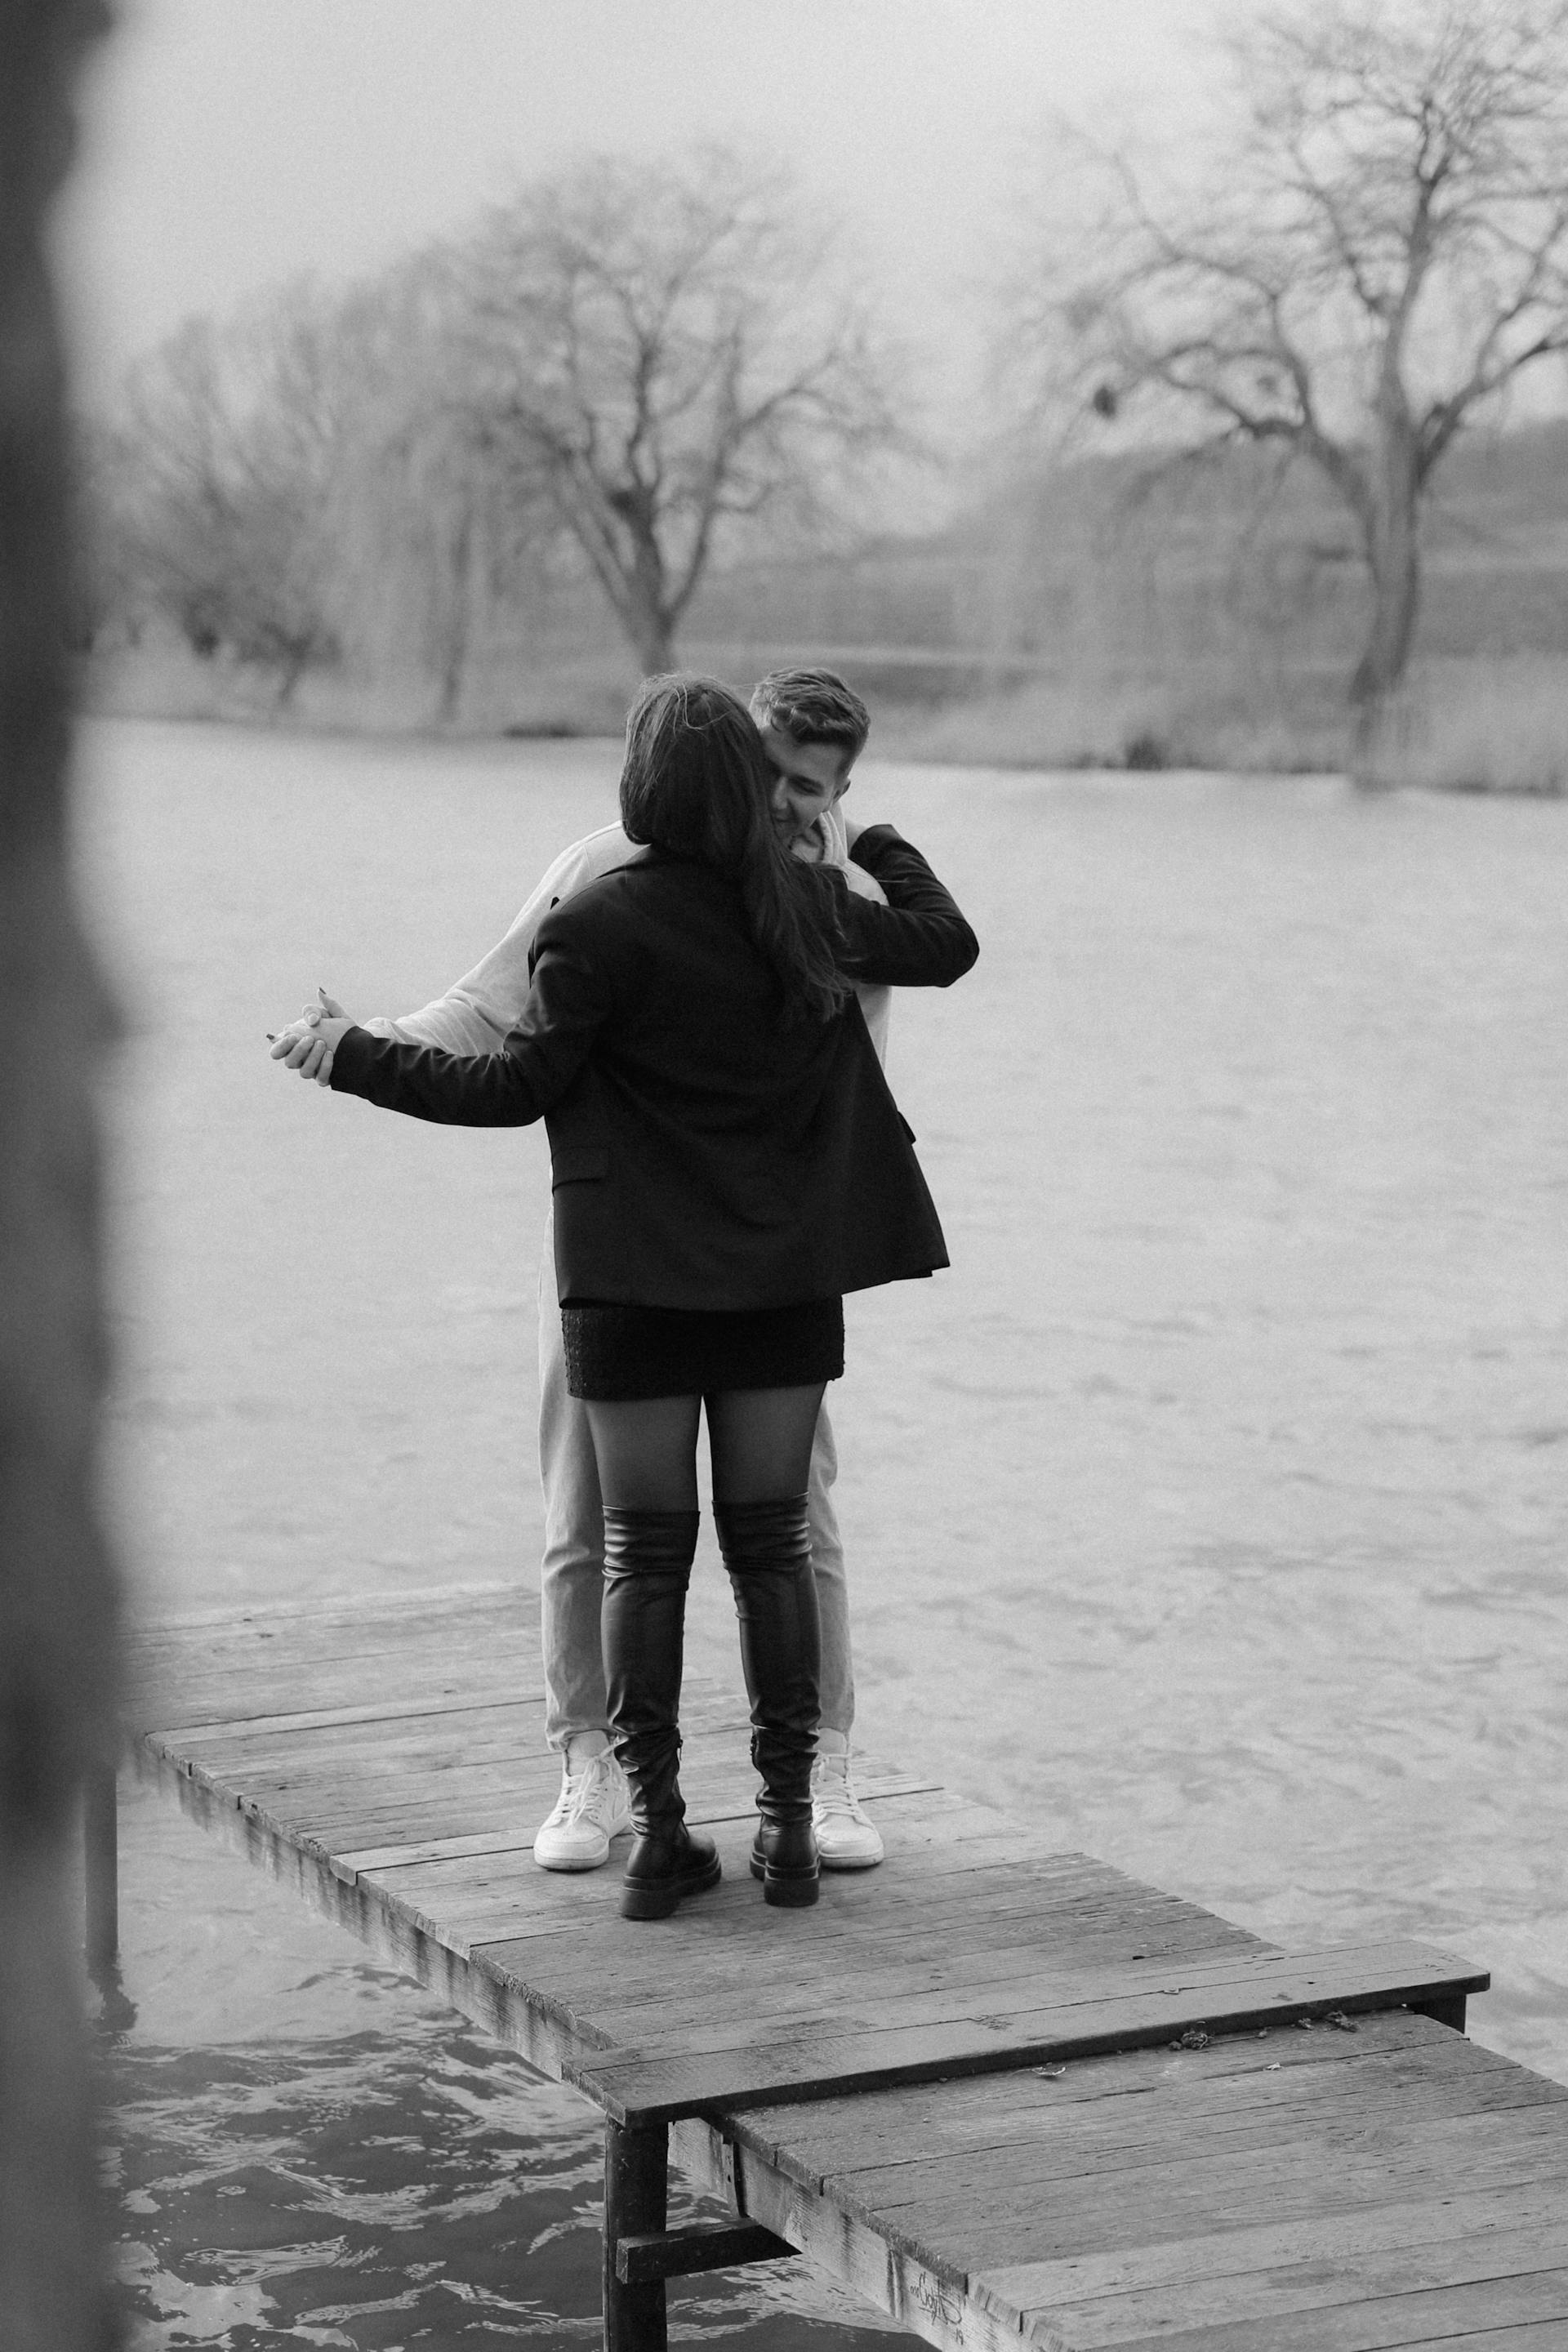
x,y
597,1800
831,1789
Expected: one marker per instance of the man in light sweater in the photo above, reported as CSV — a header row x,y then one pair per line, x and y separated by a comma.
x,y
814,727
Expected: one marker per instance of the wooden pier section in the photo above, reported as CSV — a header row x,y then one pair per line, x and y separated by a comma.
x,y
1007,2095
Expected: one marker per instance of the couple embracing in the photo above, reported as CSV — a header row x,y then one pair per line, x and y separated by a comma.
x,y
695,1001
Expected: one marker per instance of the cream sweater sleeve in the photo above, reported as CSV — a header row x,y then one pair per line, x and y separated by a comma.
x,y
479,1013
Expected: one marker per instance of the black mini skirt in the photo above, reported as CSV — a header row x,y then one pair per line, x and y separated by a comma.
x,y
616,1354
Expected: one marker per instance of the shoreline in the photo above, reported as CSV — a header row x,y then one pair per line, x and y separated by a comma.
x,y
1482,728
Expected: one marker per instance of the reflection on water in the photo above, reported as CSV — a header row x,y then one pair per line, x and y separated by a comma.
x,y
1209,1511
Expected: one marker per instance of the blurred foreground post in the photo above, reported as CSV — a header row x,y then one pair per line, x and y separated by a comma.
x,y
58,1597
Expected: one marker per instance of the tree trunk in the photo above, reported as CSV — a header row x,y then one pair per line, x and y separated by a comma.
x,y
644,599
654,639
454,609
292,663
1393,560
57,1591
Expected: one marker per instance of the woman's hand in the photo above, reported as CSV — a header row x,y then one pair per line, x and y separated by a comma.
x,y
309,1043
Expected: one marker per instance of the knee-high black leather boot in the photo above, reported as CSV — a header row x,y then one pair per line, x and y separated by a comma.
x,y
767,1550
647,1566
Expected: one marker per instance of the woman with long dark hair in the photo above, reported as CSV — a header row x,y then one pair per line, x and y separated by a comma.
x,y
726,1162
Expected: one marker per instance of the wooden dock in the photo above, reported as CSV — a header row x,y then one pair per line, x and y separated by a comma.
x,y
1007,2095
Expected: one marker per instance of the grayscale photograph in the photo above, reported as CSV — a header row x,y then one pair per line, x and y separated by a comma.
x,y
864,1636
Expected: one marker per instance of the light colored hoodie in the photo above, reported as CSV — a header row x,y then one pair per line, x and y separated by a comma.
x,y
479,1013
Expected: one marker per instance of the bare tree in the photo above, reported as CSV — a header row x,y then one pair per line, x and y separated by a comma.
x,y
232,438
431,528
1381,252
659,353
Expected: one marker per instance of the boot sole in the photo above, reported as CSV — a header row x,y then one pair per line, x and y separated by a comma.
x,y
793,1891
658,1901
791,1894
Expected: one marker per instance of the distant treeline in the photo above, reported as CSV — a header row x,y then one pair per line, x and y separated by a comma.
x,y
1139,562
546,429
1244,469
1104,573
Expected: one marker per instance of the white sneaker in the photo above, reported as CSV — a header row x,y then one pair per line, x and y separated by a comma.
x,y
593,1806
847,1837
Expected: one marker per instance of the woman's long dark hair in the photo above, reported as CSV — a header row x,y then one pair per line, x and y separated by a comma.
x,y
696,782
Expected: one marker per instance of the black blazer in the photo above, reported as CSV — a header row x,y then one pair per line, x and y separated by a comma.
x,y
703,1154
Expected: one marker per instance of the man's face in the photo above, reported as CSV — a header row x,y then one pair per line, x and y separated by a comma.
x,y
808,779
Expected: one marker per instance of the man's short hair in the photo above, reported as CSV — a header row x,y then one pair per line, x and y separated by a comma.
x,y
813,706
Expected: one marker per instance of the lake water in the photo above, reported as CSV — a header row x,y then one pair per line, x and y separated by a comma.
x,y
1209,1512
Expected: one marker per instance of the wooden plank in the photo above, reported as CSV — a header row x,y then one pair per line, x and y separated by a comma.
x,y
875,2155
989,2227
1043,1906
1303,2135
1237,1984
302,1617
1262,2298
753,2074
1381,2323
868,1914
317,1765
338,1633
852,1911
189,1703
379,1786
1545,2335
998,1913
208,1737
448,1810
482,1649
396,1866
794,1992
886,1997
730,1930
434,1633
383,1729
842,1926
1174,2267
372,1860
825,2135
1188,2178
320,1763
344,1731
683,2253
447,1813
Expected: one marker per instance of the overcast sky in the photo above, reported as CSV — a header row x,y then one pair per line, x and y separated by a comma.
x,y
232,143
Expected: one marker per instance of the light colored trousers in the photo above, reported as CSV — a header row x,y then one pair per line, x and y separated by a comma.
x,y
571,1574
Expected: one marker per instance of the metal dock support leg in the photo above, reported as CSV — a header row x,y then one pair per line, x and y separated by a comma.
x,y
637,2189
101,1856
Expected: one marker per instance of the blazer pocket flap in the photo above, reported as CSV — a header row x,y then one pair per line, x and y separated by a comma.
x,y
579,1163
